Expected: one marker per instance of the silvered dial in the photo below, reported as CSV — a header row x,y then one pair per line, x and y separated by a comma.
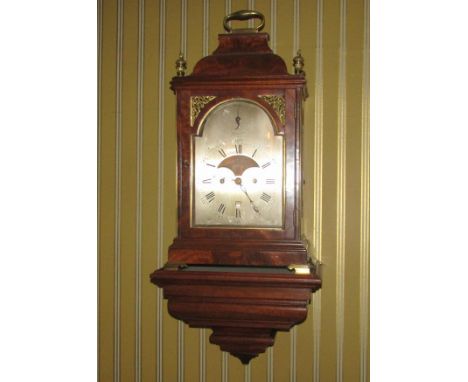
x,y
238,168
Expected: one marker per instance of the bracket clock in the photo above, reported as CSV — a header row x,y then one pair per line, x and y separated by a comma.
x,y
239,264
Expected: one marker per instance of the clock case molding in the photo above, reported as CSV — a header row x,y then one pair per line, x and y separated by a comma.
x,y
242,283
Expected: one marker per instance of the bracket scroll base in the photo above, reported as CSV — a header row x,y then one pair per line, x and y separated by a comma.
x,y
244,309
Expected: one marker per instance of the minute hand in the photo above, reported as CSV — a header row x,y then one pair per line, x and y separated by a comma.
x,y
255,208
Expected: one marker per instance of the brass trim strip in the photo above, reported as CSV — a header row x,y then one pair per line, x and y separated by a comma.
x,y
318,170
160,213
365,208
139,186
117,201
341,196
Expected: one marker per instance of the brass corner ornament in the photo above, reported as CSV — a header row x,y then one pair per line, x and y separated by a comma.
x,y
197,103
298,63
277,103
181,65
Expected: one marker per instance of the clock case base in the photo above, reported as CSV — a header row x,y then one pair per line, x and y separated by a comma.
x,y
238,252
244,308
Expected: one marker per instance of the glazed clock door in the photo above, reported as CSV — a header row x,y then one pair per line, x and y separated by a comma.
x,y
238,171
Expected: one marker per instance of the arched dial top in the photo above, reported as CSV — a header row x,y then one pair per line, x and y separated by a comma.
x,y
238,168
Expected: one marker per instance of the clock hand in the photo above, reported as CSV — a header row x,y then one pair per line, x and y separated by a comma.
x,y
255,208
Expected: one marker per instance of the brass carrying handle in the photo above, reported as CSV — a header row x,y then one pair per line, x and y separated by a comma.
x,y
244,15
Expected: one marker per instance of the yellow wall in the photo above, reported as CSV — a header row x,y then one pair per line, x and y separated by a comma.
x,y
139,42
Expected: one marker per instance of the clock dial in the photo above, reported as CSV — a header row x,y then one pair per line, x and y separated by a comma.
x,y
238,168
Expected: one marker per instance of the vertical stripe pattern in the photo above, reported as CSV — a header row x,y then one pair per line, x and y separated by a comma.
x,y
296,26
118,168
136,199
247,370
270,363
293,336
224,367
251,7
180,324
205,53
183,27
292,360
341,195
273,25
180,351
99,128
202,355
270,351
139,185
160,212
225,355
206,13
364,239
318,166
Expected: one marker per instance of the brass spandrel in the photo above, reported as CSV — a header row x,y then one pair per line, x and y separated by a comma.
x,y
278,105
197,103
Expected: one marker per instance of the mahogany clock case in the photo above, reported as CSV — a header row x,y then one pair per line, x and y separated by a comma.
x,y
240,281
243,67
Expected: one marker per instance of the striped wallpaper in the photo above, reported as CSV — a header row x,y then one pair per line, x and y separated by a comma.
x,y
139,41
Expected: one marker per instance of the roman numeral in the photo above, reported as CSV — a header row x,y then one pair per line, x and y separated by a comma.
x,y
239,149
210,196
238,211
270,181
206,180
266,164
223,154
209,164
221,209
265,197
255,152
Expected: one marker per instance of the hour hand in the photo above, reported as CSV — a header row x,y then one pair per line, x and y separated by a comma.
x,y
255,208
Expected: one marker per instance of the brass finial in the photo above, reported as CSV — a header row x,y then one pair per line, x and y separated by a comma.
x,y
181,65
298,63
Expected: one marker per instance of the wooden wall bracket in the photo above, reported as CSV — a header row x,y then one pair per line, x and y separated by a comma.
x,y
244,307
